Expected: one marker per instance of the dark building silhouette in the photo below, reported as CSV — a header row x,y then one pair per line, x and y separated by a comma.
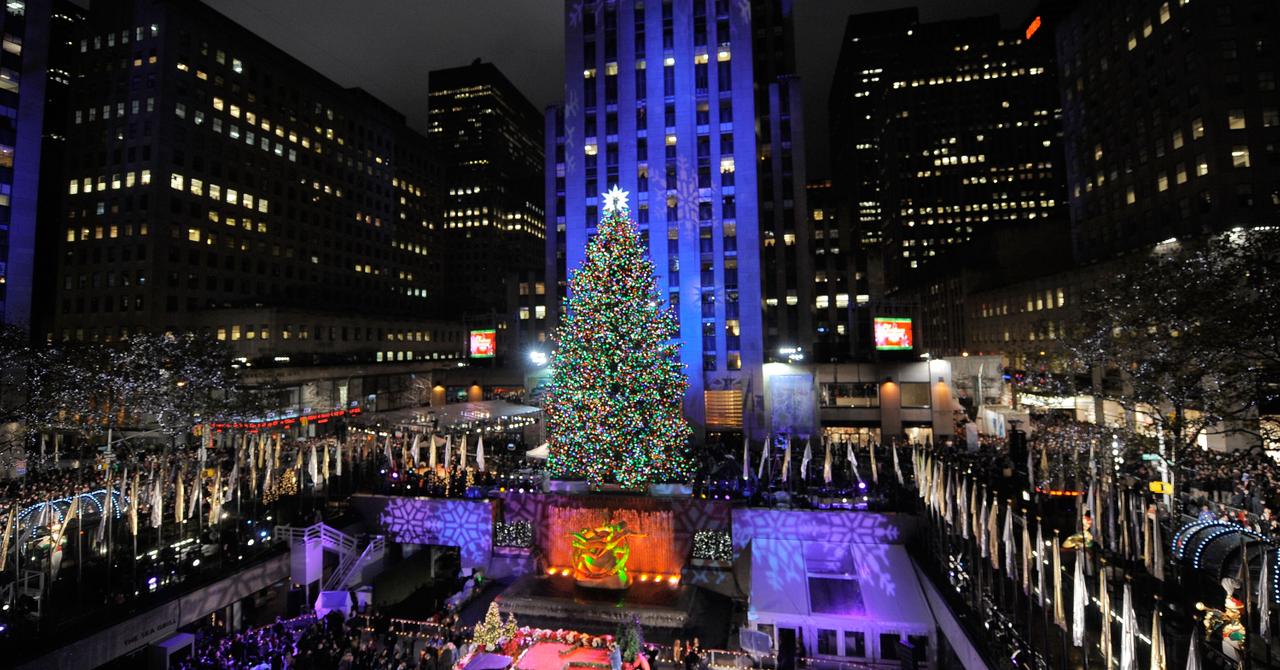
x,y
1171,119
490,139
215,184
942,131
35,80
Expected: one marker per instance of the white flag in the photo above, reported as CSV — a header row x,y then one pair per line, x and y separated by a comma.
x,y
1079,597
786,460
339,459
746,460
180,501
826,462
462,452
313,468
853,461
804,460
431,455
1010,555
1129,624
982,527
1158,659
1039,559
897,469
386,453
157,503
764,457
1264,596
480,454
448,449
875,470
413,451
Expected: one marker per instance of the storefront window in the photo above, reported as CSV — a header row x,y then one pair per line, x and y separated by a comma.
x,y
915,394
851,394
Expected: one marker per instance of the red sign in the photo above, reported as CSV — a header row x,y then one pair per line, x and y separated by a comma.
x,y
1033,27
892,334
484,343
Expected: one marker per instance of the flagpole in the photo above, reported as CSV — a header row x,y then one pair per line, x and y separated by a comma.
x,y
1247,661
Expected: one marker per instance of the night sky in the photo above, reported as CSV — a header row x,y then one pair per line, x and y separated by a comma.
x,y
388,46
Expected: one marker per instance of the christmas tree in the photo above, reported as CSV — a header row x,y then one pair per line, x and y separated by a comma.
x,y
489,632
613,410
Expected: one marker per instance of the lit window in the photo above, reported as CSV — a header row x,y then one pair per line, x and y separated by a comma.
x,y
175,181
1235,119
193,234
1197,128
1240,156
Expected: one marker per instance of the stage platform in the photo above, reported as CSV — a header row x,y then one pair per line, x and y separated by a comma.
x,y
557,602
548,656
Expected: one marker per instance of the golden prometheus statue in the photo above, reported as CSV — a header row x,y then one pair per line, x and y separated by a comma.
x,y
600,555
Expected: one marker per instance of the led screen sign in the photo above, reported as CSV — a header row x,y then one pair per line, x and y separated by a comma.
x,y
892,333
484,343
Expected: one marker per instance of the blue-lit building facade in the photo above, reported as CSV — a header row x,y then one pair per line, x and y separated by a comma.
x,y
659,100
34,85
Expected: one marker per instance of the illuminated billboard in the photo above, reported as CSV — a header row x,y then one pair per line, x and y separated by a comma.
x,y
892,333
484,343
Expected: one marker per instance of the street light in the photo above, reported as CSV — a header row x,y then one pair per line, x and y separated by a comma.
x,y
792,354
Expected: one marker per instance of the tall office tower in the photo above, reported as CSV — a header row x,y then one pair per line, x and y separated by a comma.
x,y
1171,119
215,184
784,225
944,130
489,137
839,284
34,83
659,99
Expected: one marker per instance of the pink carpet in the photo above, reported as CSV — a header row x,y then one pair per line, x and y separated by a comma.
x,y
546,656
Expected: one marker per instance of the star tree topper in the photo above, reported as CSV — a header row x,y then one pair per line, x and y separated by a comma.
x,y
615,200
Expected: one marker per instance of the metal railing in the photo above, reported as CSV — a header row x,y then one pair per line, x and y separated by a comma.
x,y
330,538
352,563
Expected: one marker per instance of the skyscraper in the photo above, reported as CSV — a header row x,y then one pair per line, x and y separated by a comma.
x,y
660,99
942,129
1171,118
786,254
214,184
34,84
489,137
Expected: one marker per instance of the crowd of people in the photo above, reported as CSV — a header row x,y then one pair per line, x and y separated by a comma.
x,y
329,643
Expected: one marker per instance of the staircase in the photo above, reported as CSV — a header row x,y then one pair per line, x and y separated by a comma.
x,y
352,558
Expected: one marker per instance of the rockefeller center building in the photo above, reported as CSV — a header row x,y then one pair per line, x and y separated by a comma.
x,y
692,106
